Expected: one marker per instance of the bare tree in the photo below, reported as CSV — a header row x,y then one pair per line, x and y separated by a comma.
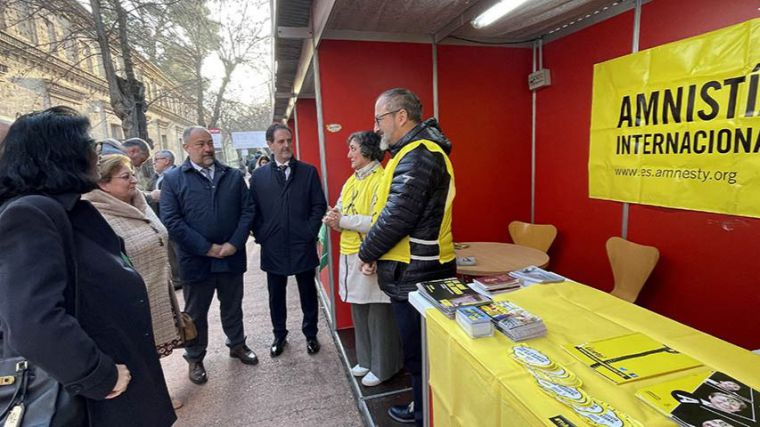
x,y
243,38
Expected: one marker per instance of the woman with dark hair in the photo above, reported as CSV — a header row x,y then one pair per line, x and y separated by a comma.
x,y
378,346
263,160
70,301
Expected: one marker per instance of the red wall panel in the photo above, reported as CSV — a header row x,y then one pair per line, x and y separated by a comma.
x,y
706,263
484,109
308,139
353,75
563,117
292,125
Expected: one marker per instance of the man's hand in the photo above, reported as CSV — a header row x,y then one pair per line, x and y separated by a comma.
x,y
215,251
228,249
155,195
368,268
122,380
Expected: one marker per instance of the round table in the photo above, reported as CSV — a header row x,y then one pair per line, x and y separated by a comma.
x,y
498,258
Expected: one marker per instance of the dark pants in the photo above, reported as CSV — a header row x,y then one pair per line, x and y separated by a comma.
x,y
198,296
174,264
307,290
409,326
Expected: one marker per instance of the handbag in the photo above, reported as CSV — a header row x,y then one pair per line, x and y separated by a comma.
x,y
185,325
29,396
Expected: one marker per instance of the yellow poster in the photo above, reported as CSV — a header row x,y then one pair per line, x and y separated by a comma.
x,y
678,125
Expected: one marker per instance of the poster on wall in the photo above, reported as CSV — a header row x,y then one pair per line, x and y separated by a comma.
x,y
678,125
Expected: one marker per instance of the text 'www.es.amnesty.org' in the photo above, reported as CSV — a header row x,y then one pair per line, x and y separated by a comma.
x,y
698,175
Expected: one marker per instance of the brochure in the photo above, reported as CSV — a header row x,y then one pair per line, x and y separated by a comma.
x,y
449,294
532,274
706,399
630,357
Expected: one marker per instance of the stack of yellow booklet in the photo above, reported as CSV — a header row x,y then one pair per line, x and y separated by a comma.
x,y
630,357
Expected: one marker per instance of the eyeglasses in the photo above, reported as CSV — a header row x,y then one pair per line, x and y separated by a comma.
x,y
127,177
378,118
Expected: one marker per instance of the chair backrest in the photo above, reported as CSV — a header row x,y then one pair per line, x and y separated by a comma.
x,y
538,236
631,266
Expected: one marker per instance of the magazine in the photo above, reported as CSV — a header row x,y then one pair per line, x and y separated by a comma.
x,y
449,294
706,399
631,357
492,285
474,322
532,274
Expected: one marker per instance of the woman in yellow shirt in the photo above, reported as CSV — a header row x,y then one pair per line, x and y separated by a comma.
x,y
378,346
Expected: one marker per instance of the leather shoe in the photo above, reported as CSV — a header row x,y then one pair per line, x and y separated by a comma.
x,y
197,373
312,345
278,346
402,413
245,354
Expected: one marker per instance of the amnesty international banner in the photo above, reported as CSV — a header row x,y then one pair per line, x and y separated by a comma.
x,y
678,125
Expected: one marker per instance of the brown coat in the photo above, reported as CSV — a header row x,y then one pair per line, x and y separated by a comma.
x,y
146,242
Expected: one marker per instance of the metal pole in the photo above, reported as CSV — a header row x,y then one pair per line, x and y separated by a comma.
x,y
323,164
634,49
533,143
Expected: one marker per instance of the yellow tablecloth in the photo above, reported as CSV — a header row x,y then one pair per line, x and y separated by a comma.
x,y
474,382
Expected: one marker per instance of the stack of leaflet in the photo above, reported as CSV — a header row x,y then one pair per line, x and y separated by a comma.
x,y
531,275
492,285
449,294
515,322
473,321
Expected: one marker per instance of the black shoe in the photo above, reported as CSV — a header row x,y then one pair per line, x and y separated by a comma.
x,y
312,345
402,413
278,346
245,354
197,373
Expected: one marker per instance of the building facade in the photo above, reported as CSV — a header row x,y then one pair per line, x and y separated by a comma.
x,y
42,65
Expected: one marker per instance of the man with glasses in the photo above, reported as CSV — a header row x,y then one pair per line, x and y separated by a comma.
x,y
410,240
205,207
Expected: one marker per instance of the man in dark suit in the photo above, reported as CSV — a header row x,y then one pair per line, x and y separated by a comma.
x,y
288,207
205,207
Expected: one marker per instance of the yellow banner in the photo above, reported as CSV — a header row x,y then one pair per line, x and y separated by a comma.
x,y
677,125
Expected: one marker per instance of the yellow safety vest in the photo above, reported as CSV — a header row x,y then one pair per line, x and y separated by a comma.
x,y
356,198
402,251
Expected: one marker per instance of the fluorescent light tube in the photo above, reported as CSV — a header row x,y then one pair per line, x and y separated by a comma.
x,y
495,12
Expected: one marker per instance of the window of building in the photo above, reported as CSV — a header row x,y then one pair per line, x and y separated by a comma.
x,y
72,52
164,142
116,131
87,52
51,35
26,27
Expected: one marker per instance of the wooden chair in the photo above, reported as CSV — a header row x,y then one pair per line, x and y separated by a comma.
x,y
538,236
631,266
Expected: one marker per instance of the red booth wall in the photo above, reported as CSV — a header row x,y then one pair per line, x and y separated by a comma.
x,y
707,274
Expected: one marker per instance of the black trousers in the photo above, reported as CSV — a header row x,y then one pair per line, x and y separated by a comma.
x,y
198,296
307,290
409,326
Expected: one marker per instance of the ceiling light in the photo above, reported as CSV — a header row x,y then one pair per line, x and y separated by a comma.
x,y
495,12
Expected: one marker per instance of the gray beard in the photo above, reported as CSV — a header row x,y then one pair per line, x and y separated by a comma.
x,y
384,143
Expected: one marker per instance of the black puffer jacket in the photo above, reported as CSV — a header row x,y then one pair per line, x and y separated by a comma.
x,y
415,208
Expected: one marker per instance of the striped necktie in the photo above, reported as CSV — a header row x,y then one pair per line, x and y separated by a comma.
x,y
207,173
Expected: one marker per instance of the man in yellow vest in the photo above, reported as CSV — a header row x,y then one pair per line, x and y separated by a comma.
x,y
410,240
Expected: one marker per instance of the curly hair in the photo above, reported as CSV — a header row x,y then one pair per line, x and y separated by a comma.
x,y
47,152
369,144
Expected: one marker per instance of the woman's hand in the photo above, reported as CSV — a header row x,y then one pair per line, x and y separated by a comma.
x,y
122,380
368,268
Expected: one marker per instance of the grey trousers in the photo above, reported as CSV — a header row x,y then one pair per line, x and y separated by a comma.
x,y
378,345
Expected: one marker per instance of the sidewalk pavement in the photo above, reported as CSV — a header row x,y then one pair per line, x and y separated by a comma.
x,y
294,389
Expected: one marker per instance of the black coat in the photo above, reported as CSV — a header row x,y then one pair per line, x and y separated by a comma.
x,y
198,213
415,208
287,216
113,324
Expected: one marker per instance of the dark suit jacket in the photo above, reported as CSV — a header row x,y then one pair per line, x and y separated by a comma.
x,y
198,213
152,186
287,216
113,323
